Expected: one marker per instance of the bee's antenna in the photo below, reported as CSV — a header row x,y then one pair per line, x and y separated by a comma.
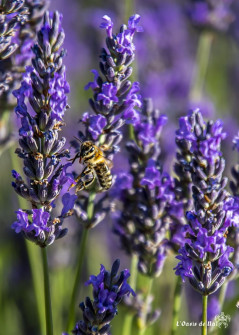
x,y
78,139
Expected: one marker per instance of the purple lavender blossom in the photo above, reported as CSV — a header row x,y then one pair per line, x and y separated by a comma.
x,y
187,142
44,85
16,43
232,208
68,201
144,194
23,24
108,25
204,258
114,95
12,13
124,40
108,95
149,133
115,102
217,15
234,184
39,223
95,123
109,288
93,84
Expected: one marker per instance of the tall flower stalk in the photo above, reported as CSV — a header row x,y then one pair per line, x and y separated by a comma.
x,y
45,87
204,259
183,182
113,104
144,194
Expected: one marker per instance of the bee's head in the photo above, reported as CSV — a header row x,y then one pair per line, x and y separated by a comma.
x,y
88,150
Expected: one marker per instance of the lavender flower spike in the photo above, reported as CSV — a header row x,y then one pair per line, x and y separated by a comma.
x,y
115,97
109,288
204,258
114,103
144,194
11,13
45,87
19,52
233,206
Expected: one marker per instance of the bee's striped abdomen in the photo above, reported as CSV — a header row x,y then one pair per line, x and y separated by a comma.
x,y
104,175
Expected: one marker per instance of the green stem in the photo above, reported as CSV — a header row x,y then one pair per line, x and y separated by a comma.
x,y
37,278
222,293
202,61
73,303
90,207
204,314
132,282
176,304
133,271
33,253
48,311
4,120
147,299
6,138
129,8
80,258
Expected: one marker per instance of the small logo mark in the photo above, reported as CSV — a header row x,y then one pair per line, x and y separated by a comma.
x,y
222,320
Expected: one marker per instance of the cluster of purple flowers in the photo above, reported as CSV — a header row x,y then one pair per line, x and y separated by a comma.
x,y
211,14
19,22
115,97
235,170
109,288
12,12
144,193
44,85
233,235
204,258
154,207
114,101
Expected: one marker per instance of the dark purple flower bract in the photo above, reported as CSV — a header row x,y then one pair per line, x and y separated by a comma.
x,y
109,288
204,258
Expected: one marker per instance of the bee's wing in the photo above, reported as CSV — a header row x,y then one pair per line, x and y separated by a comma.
x,y
108,161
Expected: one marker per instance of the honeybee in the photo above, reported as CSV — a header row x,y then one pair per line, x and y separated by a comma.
x,y
97,167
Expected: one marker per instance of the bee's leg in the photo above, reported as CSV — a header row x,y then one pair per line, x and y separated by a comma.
x,y
104,147
71,186
82,174
81,185
74,159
